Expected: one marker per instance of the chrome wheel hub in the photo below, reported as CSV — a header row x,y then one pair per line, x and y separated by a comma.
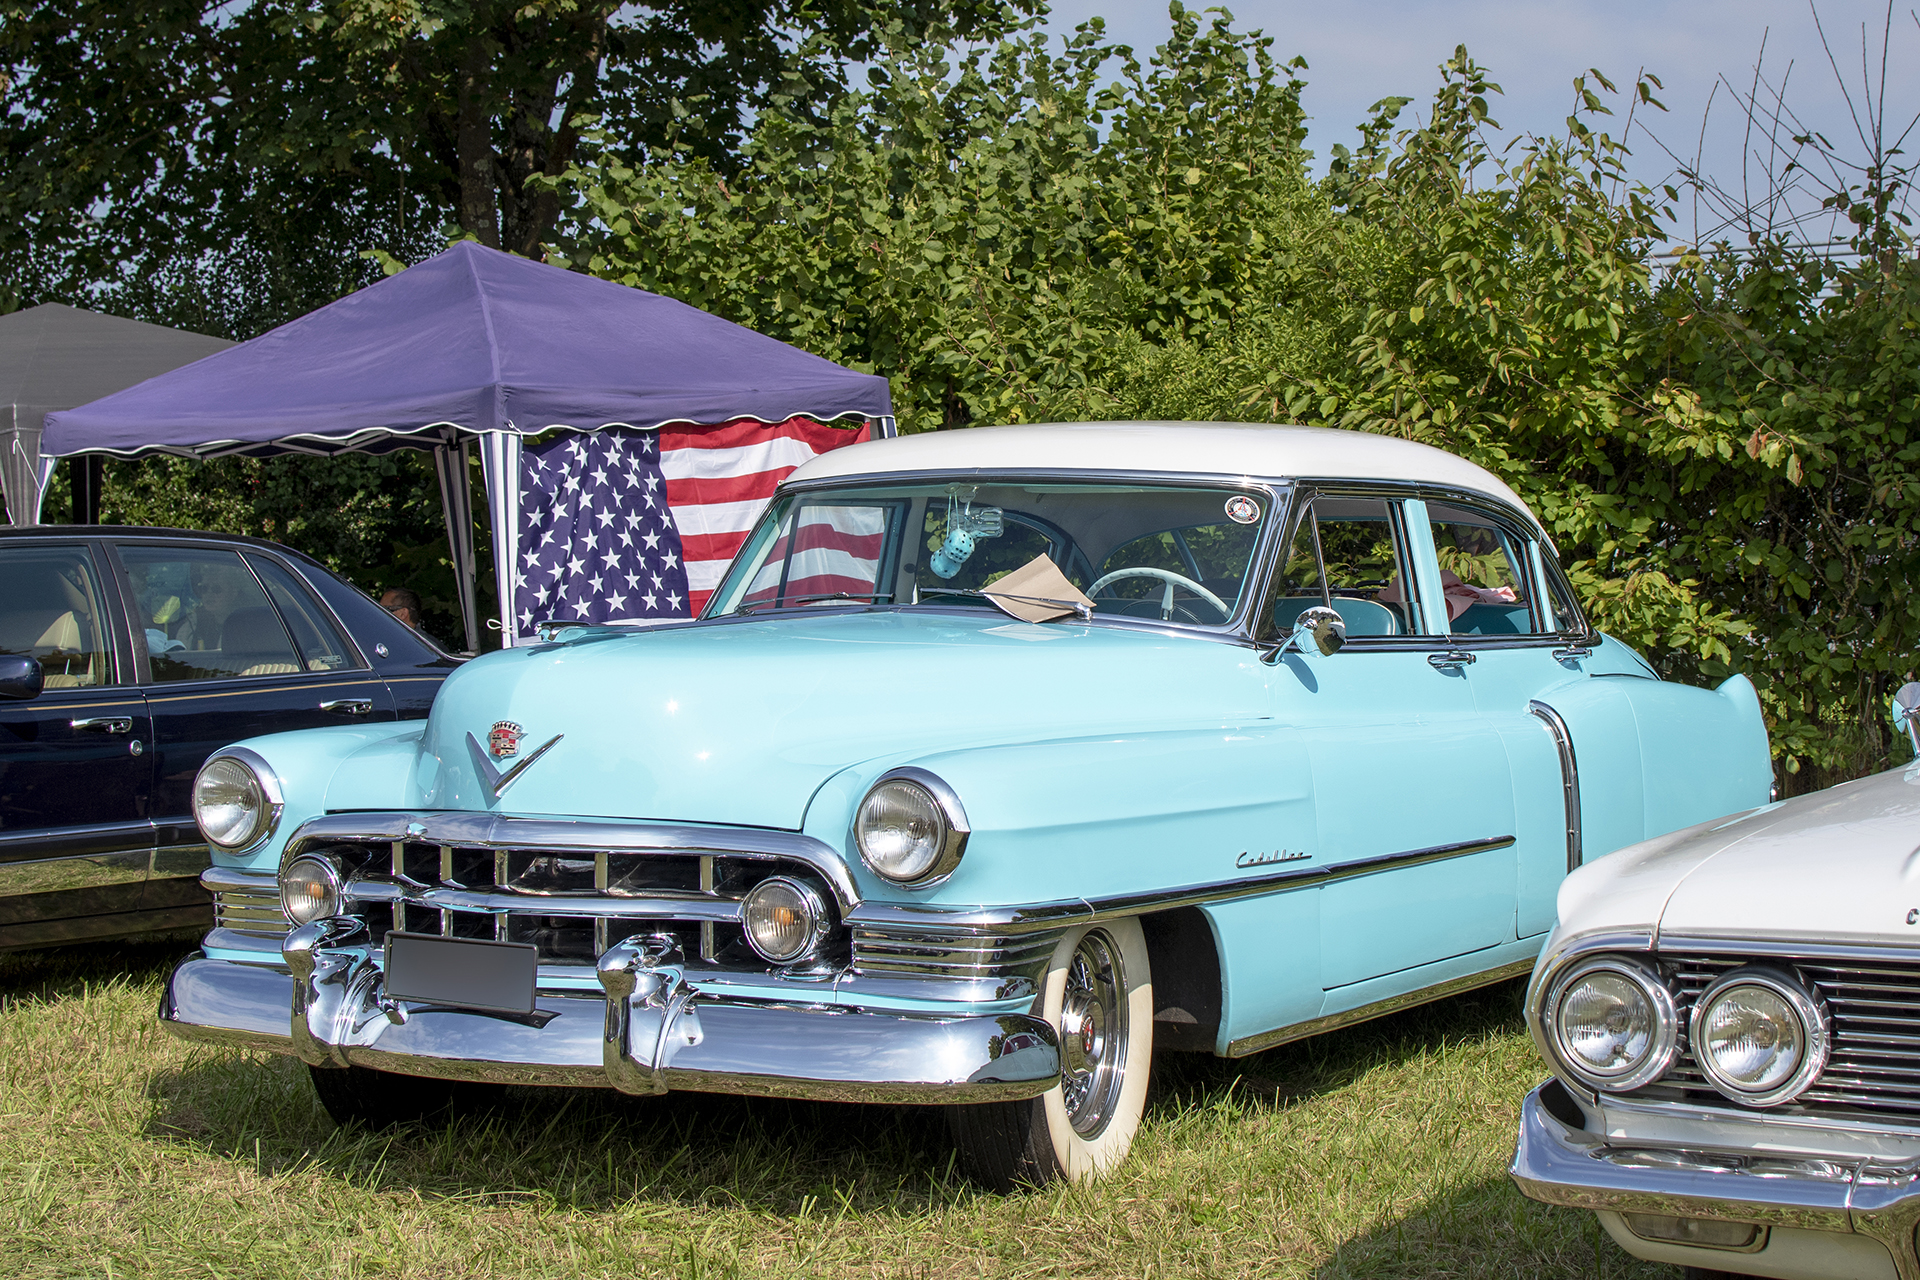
x,y
1093,1033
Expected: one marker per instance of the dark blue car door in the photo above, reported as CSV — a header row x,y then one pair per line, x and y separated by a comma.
x,y
232,646
76,764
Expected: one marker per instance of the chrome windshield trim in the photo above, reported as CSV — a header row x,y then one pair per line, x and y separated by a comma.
x,y
585,835
1238,626
1037,916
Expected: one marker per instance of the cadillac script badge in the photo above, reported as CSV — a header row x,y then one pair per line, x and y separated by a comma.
x,y
503,739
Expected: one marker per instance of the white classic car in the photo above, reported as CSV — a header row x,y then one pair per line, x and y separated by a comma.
x,y
1732,1014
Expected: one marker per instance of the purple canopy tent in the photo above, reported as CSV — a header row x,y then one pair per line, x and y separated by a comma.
x,y
472,343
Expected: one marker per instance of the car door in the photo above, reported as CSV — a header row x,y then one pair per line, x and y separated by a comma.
x,y
76,767
1412,794
233,646
1504,634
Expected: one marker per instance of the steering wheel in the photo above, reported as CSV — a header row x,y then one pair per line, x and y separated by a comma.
x,y
1172,580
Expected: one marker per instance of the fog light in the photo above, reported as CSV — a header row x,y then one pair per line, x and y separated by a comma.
x,y
1700,1231
785,919
309,890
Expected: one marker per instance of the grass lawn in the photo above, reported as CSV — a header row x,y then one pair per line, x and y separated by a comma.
x,y
1376,1151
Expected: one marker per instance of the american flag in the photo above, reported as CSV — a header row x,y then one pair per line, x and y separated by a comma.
x,y
620,525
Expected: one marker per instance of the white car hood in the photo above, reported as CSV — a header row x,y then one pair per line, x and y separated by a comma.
x,y
1837,865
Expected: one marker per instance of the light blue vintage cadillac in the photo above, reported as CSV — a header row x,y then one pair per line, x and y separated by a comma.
x,y
999,760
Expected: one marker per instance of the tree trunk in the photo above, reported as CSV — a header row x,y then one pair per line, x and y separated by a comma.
x,y
474,143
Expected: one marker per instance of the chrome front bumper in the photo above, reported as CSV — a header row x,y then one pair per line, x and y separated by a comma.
x,y
650,1032
1560,1164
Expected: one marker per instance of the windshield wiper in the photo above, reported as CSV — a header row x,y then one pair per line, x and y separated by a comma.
x,y
784,601
1081,611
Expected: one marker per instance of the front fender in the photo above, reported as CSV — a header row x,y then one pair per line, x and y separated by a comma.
x,y
377,765
1072,817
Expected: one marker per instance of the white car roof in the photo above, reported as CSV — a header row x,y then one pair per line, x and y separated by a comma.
x,y
1232,449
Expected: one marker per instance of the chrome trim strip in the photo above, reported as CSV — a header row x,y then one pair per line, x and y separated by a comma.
x,y
1033,917
586,835
1786,949
1569,777
661,905
74,872
1378,1009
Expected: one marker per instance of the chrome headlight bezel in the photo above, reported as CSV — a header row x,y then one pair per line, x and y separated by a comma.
x,y
273,799
813,908
951,844
1662,1047
328,873
1815,1034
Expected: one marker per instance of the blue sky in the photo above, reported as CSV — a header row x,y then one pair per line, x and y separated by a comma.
x,y
1359,53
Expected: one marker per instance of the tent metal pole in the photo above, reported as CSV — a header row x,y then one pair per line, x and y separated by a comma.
x,y
456,504
500,464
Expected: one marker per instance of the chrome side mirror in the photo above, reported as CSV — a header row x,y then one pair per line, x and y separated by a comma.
x,y
1319,631
1906,710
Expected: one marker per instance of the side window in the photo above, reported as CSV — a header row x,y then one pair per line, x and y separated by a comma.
x,y
322,647
205,616
1563,614
50,608
1348,552
1483,569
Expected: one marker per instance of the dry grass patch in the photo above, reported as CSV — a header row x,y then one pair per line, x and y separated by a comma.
x,y
1375,1152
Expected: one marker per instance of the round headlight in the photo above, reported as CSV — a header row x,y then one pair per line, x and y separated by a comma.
x,y
235,801
309,890
1613,1025
1759,1037
910,828
785,919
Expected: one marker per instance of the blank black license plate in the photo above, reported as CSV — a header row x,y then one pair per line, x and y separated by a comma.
x,y
496,976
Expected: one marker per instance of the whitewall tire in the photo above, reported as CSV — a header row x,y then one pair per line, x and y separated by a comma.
x,y
1098,998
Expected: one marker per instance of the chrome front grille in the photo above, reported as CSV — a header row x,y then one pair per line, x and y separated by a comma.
x,y
572,904
1873,1070
246,902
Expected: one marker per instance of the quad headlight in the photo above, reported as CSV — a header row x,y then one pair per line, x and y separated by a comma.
x,y
911,828
1759,1036
309,890
236,799
1612,1024
785,919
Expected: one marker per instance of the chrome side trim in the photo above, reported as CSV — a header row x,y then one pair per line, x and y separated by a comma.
x,y
1569,777
1034,917
586,835
1378,1009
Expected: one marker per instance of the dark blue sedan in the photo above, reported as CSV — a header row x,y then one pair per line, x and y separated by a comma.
x,y
127,656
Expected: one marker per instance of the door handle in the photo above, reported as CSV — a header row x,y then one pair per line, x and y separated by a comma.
x,y
1452,660
349,706
104,724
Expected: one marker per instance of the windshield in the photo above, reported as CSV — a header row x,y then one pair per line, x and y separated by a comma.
x,y
1164,553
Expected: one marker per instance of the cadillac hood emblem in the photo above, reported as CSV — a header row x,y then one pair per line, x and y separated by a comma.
x,y
503,739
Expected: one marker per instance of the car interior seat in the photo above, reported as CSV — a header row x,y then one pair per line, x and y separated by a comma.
x,y
1363,617
253,643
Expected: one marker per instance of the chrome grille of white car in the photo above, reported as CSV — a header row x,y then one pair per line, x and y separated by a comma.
x,y
1874,1066
988,958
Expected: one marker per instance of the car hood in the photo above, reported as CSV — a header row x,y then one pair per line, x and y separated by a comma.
x,y
740,722
1837,865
